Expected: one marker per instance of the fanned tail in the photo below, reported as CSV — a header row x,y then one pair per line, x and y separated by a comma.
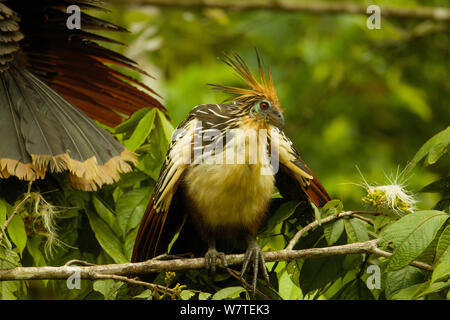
x,y
51,80
43,132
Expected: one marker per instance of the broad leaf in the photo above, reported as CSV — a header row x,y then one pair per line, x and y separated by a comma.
x,y
442,269
333,231
131,207
17,233
3,210
316,273
401,279
283,213
105,236
411,235
356,230
228,293
132,122
433,149
104,211
108,288
141,132
443,244
354,290
441,185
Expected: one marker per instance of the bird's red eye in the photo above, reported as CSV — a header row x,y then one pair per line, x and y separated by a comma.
x,y
264,105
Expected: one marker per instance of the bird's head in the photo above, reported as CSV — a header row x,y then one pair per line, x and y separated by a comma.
x,y
259,99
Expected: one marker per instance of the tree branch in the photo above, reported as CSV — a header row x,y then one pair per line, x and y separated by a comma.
x,y
121,272
319,7
155,266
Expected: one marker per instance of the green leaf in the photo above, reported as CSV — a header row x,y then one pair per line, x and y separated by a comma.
x,y
409,292
356,230
443,244
3,210
443,205
204,296
131,207
288,290
316,273
129,243
8,259
144,294
352,261
103,211
132,122
434,148
228,293
293,269
411,235
167,127
186,294
354,290
433,288
7,289
141,132
33,247
401,279
442,269
108,288
108,241
332,207
333,231
381,221
17,233
283,213
441,185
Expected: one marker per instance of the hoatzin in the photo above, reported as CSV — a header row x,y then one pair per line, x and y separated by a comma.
x,y
221,196
53,80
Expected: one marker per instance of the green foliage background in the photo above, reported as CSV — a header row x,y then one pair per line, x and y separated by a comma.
x,y
352,97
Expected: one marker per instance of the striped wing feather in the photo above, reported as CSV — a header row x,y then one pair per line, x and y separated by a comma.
x,y
295,178
153,235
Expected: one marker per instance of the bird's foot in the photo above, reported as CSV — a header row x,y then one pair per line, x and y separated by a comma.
x,y
211,257
256,257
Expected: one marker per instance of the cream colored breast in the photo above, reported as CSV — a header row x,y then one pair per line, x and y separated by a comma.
x,y
232,193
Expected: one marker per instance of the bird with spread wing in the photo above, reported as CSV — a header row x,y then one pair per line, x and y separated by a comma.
x,y
220,173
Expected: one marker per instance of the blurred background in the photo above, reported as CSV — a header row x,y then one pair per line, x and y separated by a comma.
x,y
354,97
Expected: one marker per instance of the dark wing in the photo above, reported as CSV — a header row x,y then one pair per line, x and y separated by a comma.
x,y
168,207
154,235
294,179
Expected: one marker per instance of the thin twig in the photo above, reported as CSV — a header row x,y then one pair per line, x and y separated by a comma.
x,y
313,7
16,209
315,223
152,286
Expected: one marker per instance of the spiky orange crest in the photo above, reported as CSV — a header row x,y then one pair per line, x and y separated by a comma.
x,y
256,90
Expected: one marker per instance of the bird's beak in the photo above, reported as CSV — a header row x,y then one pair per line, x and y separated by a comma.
x,y
276,118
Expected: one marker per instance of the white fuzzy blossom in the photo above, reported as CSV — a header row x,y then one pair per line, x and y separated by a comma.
x,y
393,196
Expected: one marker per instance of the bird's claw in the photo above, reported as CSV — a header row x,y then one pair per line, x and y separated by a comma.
x,y
254,255
211,257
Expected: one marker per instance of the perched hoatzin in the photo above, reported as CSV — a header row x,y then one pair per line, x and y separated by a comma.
x,y
224,198
51,79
